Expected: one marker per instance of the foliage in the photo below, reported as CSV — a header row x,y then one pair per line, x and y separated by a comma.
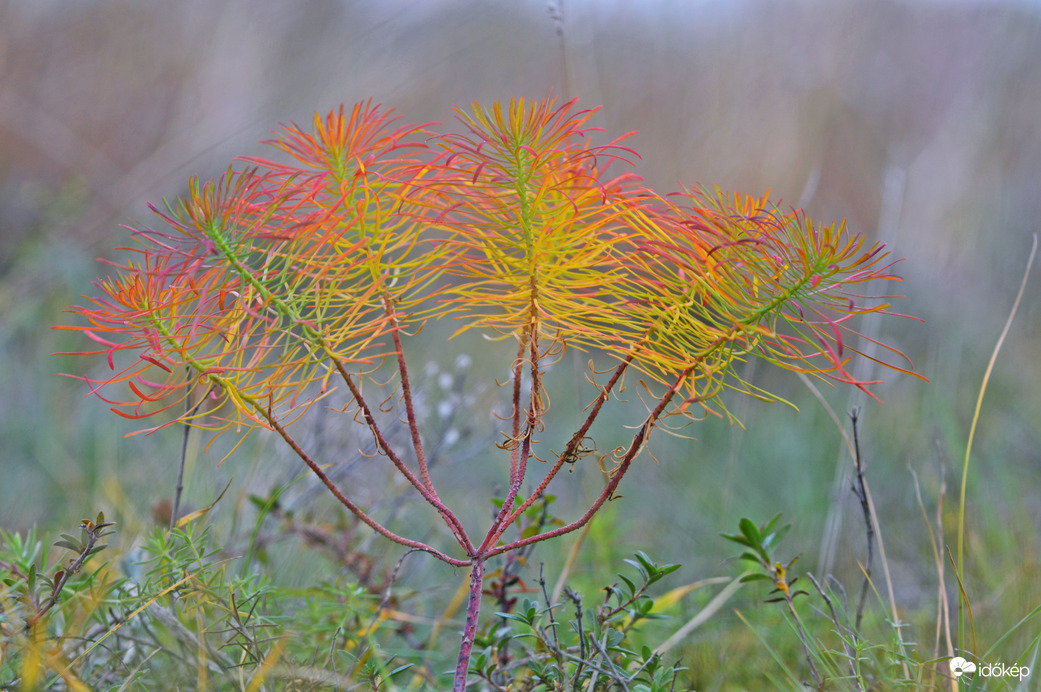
x,y
33,590
594,653
178,615
263,290
175,612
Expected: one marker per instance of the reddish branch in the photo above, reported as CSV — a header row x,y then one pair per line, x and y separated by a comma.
x,y
498,528
346,502
406,396
519,448
450,519
635,447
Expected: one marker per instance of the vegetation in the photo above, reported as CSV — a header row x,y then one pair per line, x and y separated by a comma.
x,y
265,291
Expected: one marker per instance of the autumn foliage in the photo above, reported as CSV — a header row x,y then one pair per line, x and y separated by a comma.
x,y
261,291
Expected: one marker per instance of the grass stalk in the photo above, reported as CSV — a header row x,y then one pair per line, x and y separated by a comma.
x,y
960,566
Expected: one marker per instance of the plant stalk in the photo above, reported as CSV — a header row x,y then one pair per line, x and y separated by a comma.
x,y
473,608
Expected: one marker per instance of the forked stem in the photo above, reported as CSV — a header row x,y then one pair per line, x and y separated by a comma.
x,y
504,520
635,447
346,502
446,514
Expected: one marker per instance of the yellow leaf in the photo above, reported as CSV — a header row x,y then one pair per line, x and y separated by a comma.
x,y
671,598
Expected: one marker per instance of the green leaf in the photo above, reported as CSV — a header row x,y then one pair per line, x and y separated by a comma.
x,y
646,562
751,532
753,557
399,669
737,539
538,506
769,526
669,569
776,537
629,584
514,616
662,572
640,568
754,577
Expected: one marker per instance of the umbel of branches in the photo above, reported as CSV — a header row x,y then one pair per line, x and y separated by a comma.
x,y
263,290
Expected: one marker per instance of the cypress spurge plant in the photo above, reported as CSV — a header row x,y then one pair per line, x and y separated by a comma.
x,y
262,291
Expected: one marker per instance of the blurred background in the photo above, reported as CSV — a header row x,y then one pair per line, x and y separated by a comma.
x,y
919,122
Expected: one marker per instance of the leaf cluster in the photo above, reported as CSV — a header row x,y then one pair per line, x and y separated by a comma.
x,y
177,615
262,289
533,648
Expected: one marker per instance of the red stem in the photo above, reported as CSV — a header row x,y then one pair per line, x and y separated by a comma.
x,y
497,529
450,519
473,609
519,450
346,502
406,395
637,444
517,371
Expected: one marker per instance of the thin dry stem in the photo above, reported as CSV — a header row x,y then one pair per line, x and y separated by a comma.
x,y
840,628
889,581
860,489
960,565
943,615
